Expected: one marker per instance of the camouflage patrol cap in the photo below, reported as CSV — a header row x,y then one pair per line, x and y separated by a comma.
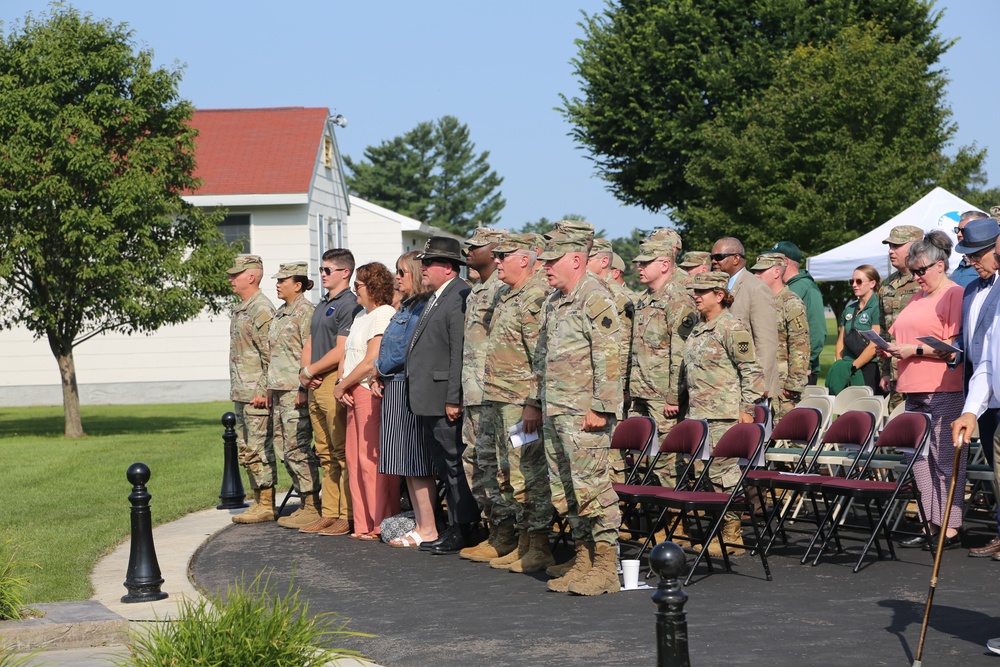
x,y
710,280
768,260
995,211
244,262
538,241
600,245
904,234
668,235
515,242
558,243
575,226
652,248
485,236
617,262
292,269
696,258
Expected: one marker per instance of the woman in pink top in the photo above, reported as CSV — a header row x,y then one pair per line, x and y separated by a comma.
x,y
930,385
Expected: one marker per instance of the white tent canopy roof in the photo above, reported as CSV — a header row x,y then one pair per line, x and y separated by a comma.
x,y
939,209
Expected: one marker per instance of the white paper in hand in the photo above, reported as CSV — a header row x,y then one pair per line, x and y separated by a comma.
x,y
518,437
875,338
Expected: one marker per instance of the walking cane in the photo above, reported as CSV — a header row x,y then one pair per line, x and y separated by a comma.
x,y
940,550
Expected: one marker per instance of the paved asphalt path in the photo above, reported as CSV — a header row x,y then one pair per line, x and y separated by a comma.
x,y
444,611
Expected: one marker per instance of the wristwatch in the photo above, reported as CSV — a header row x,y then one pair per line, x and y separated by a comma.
x,y
920,350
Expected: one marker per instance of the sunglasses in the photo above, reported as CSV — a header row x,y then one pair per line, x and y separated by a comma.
x,y
327,270
719,256
401,272
957,230
358,285
856,281
922,270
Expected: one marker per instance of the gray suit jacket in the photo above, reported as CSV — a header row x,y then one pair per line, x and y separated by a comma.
x,y
753,304
434,353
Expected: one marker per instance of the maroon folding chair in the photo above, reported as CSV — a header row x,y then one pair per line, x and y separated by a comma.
x,y
634,437
910,430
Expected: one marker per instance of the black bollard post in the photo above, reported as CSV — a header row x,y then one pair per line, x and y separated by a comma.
x,y
143,578
232,493
668,561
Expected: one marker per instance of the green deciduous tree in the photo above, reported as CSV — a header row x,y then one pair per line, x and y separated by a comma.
x,y
431,173
95,151
655,73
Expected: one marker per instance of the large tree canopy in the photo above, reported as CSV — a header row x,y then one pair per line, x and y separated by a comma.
x,y
95,151
431,173
655,73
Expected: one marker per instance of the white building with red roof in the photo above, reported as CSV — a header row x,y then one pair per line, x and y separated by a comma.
x,y
279,175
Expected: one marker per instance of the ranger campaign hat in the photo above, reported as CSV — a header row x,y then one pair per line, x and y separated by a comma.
x,y
652,248
710,280
904,234
485,236
617,262
600,245
768,260
515,242
292,269
442,247
696,258
978,234
789,250
558,243
244,262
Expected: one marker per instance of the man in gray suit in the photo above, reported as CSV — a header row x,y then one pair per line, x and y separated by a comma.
x,y
434,385
753,304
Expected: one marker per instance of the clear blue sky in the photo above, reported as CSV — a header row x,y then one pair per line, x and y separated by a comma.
x,y
497,66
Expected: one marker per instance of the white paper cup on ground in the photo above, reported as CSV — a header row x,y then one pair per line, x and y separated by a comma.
x,y
630,574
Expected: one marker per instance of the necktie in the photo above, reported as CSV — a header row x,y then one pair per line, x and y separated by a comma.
x,y
423,320
987,282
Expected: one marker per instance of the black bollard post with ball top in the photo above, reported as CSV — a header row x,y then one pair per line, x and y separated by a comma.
x,y
232,494
668,561
143,578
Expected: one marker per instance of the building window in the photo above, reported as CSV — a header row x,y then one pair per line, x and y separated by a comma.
x,y
235,228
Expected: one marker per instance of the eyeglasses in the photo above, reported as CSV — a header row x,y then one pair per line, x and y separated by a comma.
x,y
978,256
358,285
856,281
432,262
923,269
719,256
401,272
327,270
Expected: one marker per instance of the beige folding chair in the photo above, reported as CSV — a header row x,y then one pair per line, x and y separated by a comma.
x,y
822,403
896,411
847,396
873,404
815,390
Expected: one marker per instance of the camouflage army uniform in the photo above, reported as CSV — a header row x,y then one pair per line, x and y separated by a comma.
x,y
479,460
292,428
523,471
893,295
577,368
625,304
249,353
663,321
793,349
722,378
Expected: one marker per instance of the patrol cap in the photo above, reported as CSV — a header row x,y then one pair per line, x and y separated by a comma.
x,y
904,234
600,245
768,260
558,243
668,235
995,211
617,262
575,226
485,236
515,242
538,241
652,248
696,258
710,280
789,250
292,269
244,262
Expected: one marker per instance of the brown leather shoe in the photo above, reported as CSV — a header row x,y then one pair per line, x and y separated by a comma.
x,y
991,549
316,526
338,527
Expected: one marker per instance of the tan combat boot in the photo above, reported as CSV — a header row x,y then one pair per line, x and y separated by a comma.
x,y
732,531
502,541
503,562
582,563
250,511
602,577
262,510
306,514
538,557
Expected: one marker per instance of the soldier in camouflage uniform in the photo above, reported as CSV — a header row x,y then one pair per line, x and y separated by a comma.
x,y
480,455
670,237
599,263
249,353
523,471
722,378
794,348
895,292
696,262
577,376
664,317
286,397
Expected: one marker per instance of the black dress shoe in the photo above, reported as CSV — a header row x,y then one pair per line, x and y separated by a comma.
x,y
915,542
949,542
451,543
427,546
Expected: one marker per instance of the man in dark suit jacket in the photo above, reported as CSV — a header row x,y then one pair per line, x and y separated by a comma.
x,y
979,308
434,385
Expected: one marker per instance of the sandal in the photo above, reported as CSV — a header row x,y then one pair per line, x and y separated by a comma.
x,y
408,541
355,536
369,537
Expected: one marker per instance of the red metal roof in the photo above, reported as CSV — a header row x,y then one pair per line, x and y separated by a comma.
x,y
257,151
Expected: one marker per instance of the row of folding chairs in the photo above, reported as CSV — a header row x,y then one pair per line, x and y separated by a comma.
x,y
850,451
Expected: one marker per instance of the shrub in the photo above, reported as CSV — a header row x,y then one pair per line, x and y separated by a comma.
x,y
251,625
9,659
12,586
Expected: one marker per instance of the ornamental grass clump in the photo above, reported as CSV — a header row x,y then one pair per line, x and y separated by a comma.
x,y
13,586
8,658
250,625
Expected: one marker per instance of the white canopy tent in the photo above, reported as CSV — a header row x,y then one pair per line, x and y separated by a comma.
x,y
939,209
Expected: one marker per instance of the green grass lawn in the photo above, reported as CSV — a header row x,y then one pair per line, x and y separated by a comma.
x,y
66,501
